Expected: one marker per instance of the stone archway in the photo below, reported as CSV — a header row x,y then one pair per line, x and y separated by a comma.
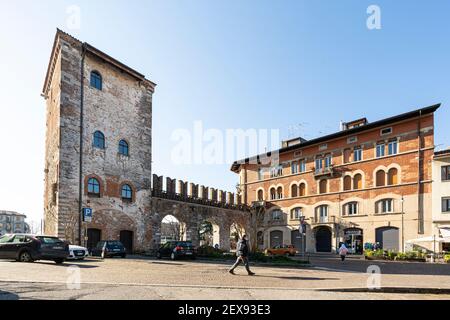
x,y
323,236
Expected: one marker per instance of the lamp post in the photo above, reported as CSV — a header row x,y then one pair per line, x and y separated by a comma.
x,y
403,226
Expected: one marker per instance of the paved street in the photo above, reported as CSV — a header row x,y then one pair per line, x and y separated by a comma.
x,y
139,278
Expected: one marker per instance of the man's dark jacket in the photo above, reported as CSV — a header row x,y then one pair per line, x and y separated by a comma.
x,y
242,248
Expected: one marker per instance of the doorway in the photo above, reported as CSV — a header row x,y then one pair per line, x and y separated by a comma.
x,y
94,236
126,237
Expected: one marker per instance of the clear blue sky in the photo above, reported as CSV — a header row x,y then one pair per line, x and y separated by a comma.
x,y
231,64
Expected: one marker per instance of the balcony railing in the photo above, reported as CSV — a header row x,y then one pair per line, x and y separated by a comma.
x,y
324,220
328,171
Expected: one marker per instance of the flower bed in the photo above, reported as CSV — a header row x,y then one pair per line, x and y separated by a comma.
x,y
414,256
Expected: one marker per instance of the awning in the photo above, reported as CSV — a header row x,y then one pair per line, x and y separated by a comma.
x,y
428,239
445,232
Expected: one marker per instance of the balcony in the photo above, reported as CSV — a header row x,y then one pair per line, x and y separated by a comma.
x,y
327,171
323,220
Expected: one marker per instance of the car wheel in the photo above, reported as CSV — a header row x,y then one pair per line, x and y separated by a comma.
x,y
25,257
173,256
158,255
59,261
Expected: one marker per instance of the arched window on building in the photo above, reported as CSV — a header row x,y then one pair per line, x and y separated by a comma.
x,y
302,189
93,187
384,206
380,178
357,182
127,192
347,183
123,148
273,194
323,186
99,140
296,213
280,193
294,191
322,214
260,195
277,215
351,208
392,176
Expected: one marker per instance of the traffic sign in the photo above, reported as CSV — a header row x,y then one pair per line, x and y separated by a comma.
x,y
87,214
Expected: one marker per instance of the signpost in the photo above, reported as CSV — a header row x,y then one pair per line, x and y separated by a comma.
x,y
302,230
87,217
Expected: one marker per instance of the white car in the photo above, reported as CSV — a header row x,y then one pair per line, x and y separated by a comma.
x,y
77,252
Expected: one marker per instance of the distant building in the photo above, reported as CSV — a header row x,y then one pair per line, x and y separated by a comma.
x,y
441,196
13,222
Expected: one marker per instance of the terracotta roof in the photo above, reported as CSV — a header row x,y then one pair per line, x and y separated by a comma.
x,y
412,114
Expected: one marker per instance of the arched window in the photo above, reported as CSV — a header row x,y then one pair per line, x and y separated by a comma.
x,y
99,140
380,178
347,183
357,181
123,148
323,186
96,80
273,194
392,176
302,189
296,213
277,215
351,208
127,192
280,193
384,206
294,191
322,214
93,187
260,195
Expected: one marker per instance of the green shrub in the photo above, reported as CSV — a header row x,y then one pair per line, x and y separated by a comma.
x,y
391,255
447,258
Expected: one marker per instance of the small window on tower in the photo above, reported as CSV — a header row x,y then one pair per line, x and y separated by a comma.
x,y
96,80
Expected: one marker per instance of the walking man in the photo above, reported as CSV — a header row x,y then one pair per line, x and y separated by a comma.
x,y
242,256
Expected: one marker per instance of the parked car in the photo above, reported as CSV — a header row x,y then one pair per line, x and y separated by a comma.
x,y
77,252
29,248
284,250
109,249
176,249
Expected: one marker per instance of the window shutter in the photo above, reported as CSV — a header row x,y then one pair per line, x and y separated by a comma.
x,y
444,205
443,173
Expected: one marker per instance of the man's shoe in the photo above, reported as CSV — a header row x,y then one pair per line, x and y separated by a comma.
x,y
251,273
231,272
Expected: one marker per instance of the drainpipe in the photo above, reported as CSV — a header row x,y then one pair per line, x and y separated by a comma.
x,y
80,181
420,227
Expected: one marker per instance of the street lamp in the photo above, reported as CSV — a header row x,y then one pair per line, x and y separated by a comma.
x,y
403,226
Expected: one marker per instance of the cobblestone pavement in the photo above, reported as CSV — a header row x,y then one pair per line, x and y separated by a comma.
x,y
138,278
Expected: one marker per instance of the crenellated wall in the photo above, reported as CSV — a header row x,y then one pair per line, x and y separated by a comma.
x,y
191,190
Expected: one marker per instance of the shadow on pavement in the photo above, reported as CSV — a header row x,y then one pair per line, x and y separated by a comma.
x,y
297,278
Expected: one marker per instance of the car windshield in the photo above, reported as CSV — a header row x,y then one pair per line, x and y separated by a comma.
x,y
115,244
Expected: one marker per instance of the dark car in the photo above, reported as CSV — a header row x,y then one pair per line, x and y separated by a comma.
x,y
176,250
29,248
109,249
